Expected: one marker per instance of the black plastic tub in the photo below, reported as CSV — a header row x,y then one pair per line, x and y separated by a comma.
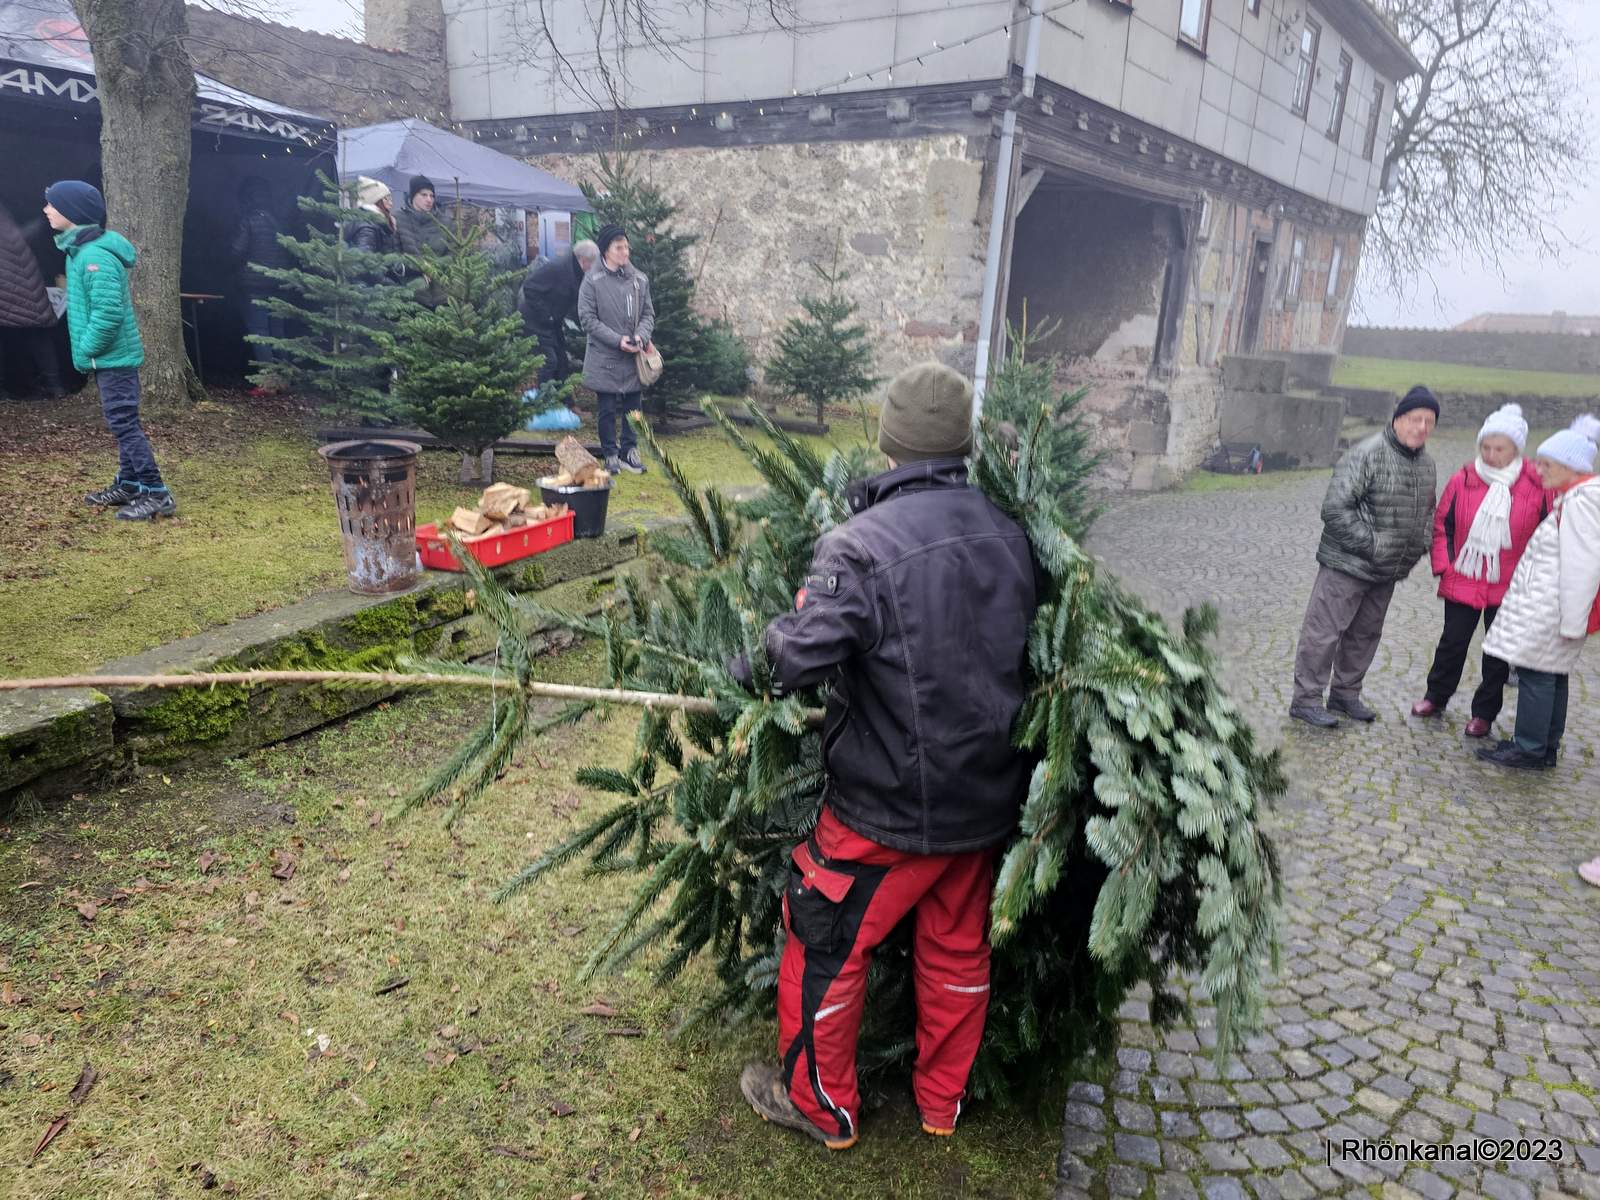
x,y
588,506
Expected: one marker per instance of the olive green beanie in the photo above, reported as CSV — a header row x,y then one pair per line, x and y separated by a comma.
x,y
926,415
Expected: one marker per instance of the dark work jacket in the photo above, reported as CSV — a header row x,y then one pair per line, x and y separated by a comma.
x,y
255,240
920,606
550,291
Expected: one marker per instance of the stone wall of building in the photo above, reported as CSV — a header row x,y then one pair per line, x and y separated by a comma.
x,y
1564,352
354,83
903,216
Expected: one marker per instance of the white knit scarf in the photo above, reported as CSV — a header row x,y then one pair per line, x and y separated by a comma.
x,y
1491,528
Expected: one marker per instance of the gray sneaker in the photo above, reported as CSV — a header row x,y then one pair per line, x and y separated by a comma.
x,y
1314,714
632,463
613,465
151,503
1352,708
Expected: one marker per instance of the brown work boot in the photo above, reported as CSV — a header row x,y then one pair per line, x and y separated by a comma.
x,y
762,1085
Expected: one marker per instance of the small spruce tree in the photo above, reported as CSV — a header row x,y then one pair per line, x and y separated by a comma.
x,y
464,365
656,248
339,299
824,356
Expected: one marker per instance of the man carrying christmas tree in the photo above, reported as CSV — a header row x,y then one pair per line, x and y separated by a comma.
x,y
917,609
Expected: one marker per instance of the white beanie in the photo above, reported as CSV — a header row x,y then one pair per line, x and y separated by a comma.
x,y
1574,447
1507,422
369,191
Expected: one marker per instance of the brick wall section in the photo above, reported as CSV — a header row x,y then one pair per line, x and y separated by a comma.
x,y
1563,352
353,83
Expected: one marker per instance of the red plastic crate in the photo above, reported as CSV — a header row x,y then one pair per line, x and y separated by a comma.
x,y
495,551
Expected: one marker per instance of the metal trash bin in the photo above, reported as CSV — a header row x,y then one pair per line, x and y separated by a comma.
x,y
375,490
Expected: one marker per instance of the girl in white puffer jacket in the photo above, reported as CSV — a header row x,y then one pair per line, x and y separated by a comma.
x,y
1551,608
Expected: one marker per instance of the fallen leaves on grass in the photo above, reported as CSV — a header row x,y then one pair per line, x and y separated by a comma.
x,y
9,994
513,1152
598,1009
559,1108
87,1078
394,985
285,866
88,910
208,859
50,1134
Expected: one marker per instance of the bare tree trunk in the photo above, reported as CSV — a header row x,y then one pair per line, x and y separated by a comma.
x,y
146,84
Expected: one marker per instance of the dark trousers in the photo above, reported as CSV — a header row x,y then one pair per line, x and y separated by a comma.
x,y
1460,623
1341,631
552,338
262,323
1541,712
611,404
41,348
119,401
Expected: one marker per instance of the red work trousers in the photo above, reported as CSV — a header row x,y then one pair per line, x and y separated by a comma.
x,y
845,895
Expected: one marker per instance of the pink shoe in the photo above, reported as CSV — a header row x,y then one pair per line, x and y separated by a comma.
x,y
1589,872
1477,728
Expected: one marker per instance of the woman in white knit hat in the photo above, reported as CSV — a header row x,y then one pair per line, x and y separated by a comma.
x,y
1552,606
1481,526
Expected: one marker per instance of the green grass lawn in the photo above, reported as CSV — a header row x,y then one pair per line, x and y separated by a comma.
x,y
256,527
233,1020
1400,376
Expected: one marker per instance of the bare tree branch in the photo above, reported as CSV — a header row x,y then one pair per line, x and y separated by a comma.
x,y
1487,142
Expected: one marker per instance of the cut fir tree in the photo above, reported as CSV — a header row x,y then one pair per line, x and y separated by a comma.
x,y
1139,857
340,298
824,356
463,365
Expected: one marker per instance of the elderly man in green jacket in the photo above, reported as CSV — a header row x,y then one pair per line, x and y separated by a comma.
x,y
1377,521
106,342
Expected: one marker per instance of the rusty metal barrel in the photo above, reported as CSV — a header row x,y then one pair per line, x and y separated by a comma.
x,y
375,490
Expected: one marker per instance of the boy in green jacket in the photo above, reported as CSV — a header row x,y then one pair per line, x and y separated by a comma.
x,y
106,343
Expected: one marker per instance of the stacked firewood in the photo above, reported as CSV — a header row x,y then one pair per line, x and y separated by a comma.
x,y
501,507
579,468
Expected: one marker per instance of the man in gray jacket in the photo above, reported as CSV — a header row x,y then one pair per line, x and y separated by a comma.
x,y
618,317
1377,520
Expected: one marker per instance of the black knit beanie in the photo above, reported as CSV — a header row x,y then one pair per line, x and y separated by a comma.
x,y
419,183
1417,397
606,235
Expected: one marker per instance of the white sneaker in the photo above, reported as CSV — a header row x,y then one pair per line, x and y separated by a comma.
x,y
1589,872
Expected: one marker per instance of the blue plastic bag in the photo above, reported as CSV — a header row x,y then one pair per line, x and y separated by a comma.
x,y
555,419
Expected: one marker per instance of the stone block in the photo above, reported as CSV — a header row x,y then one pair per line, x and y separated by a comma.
x,y
874,245
52,742
1307,368
1243,373
1147,437
1292,431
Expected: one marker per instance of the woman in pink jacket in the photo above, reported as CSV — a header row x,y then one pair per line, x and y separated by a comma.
x,y
1483,523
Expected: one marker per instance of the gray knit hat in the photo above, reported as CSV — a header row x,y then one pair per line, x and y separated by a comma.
x,y
926,415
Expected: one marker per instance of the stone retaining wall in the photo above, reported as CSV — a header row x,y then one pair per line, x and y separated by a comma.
x,y
52,743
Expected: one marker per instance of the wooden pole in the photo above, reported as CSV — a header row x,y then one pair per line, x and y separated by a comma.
x,y
553,691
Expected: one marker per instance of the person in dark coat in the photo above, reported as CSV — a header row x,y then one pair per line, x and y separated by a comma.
x,y
918,610
618,317
26,313
1377,522
255,243
549,297
375,237
418,230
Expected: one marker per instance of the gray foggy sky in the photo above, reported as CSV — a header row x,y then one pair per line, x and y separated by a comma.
x,y
1456,291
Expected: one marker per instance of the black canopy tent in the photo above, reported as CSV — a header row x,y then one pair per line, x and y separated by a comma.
x,y
50,129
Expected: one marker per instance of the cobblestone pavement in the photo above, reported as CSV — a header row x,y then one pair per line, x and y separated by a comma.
x,y
1441,969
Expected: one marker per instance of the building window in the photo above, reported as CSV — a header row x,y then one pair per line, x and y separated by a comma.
x,y
1194,19
1292,277
1253,7
1341,93
1310,39
1372,122
1333,273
